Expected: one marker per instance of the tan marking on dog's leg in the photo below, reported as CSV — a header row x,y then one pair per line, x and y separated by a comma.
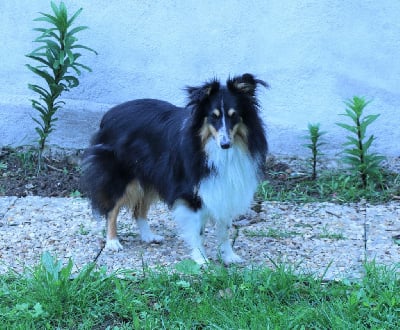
x,y
140,213
112,242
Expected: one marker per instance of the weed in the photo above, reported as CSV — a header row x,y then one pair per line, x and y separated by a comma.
x,y
27,159
83,230
330,235
315,143
56,57
272,233
357,155
75,194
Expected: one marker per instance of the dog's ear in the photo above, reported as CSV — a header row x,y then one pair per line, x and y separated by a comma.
x,y
246,84
198,95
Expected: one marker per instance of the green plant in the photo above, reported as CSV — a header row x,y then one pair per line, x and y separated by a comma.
x,y
331,185
75,194
272,233
330,235
357,153
82,230
26,158
56,56
314,145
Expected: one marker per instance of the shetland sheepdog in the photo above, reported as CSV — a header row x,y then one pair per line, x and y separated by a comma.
x,y
204,161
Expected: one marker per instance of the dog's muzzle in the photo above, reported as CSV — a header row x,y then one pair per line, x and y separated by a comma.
x,y
224,139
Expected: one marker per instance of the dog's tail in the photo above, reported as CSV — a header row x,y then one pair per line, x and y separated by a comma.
x,y
102,178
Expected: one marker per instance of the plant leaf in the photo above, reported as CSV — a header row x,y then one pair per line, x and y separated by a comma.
x,y
368,143
74,16
84,47
76,30
348,127
39,59
49,79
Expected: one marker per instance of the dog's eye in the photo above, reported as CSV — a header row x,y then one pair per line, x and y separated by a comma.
x,y
232,113
215,114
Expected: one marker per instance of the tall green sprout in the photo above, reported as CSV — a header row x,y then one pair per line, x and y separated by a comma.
x,y
57,55
357,154
315,143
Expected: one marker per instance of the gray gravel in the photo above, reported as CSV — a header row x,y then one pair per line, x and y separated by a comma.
x,y
319,238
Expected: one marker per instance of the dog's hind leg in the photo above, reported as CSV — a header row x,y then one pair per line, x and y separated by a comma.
x,y
140,214
112,242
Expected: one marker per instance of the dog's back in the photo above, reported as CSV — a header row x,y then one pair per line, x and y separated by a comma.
x,y
136,141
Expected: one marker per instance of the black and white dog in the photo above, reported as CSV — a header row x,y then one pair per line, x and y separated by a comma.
x,y
204,161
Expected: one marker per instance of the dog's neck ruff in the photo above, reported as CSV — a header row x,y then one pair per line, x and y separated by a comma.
x,y
229,189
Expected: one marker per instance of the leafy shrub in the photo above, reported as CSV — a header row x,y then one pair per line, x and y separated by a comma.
x,y
56,56
357,154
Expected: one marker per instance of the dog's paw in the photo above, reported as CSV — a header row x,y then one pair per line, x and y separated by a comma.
x,y
113,245
232,258
152,238
199,257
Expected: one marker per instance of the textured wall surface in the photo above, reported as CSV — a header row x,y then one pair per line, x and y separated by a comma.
x,y
314,54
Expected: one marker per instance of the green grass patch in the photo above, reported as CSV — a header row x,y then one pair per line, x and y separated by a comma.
x,y
272,233
330,235
331,186
188,297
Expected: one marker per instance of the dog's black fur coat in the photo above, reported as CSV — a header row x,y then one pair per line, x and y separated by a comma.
x,y
159,144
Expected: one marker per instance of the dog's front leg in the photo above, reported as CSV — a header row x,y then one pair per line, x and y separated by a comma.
x,y
227,254
191,224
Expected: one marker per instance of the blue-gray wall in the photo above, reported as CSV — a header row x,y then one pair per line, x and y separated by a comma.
x,y
313,53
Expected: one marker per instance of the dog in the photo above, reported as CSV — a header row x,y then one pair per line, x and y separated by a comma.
x,y
204,161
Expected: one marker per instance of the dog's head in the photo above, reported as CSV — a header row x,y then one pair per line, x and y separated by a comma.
x,y
225,113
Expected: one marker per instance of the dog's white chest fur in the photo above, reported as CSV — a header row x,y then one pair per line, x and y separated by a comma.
x,y
229,190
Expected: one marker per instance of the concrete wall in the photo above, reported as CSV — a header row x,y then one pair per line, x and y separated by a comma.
x,y
313,53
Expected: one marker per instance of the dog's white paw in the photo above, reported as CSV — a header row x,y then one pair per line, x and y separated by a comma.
x,y
146,234
199,257
113,245
231,258
152,238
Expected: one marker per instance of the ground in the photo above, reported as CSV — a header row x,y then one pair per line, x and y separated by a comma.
x,y
19,176
60,173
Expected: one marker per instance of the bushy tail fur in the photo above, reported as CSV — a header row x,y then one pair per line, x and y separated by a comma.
x,y
103,179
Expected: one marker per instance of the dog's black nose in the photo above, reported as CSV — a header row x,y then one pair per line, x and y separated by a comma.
x,y
225,145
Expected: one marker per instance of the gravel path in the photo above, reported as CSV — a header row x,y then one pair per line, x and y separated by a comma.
x,y
320,238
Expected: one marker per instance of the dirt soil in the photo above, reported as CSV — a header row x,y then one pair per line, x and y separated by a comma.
x,y
60,173
19,176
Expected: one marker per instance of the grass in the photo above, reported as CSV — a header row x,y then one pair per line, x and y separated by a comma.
x,y
271,232
187,297
330,235
280,234
332,186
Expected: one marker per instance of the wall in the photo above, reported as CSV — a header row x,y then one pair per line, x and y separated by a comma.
x,y
314,54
